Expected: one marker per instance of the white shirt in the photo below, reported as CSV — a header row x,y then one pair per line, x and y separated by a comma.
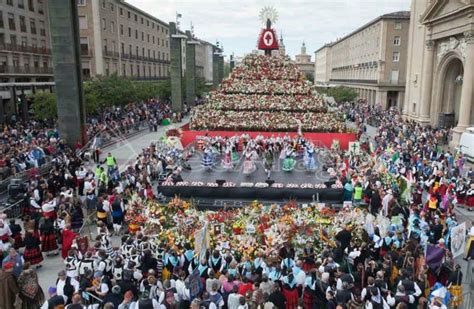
x,y
233,301
49,206
182,291
62,283
106,206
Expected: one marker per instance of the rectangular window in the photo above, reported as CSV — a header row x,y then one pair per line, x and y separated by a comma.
x,y
141,20
121,29
33,25
11,21
105,46
129,32
104,24
34,42
396,41
143,36
31,5
148,23
112,7
82,22
136,51
1,20
40,7
10,2
122,48
84,45
21,4
103,4
112,26
398,26
128,14
136,18
22,23
81,2
136,34
130,49
12,39
24,41
153,38
396,57
114,47
42,28
121,11
394,77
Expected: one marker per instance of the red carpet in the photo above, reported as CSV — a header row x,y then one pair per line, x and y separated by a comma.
x,y
325,139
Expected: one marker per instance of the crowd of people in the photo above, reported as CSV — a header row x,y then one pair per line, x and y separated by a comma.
x,y
400,196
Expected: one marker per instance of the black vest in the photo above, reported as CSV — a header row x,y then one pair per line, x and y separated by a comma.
x,y
55,301
145,304
409,286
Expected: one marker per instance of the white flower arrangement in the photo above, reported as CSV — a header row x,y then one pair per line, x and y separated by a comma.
x,y
337,186
246,184
197,184
307,186
320,186
167,184
212,184
182,184
292,186
277,185
261,185
229,185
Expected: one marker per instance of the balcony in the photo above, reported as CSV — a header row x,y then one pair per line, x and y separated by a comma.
x,y
24,49
108,53
7,69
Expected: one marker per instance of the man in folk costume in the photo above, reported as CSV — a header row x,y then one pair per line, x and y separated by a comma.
x,y
170,261
71,263
49,243
187,258
216,262
258,263
32,253
203,269
85,264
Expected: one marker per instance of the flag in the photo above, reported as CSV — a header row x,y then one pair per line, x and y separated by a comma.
x,y
458,239
201,242
434,256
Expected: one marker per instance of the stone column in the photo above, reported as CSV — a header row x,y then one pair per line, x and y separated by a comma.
x,y
176,68
64,28
191,72
467,92
427,86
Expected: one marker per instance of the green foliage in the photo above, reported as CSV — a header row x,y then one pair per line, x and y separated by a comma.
x,y
164,90
342,94
201,87
310,77
44,106
146,90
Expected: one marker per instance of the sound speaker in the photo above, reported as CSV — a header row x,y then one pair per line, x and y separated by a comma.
x,y
220,182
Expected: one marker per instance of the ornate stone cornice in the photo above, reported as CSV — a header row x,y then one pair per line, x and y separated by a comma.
x,y
469,37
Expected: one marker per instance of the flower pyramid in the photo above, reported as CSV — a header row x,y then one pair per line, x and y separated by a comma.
x,y
266,93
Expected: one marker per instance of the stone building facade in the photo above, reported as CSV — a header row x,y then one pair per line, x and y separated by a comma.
x,y
119,38
440,75
25,54
371,60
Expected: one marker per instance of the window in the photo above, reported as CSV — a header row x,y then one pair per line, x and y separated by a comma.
x,y
136,18
33,25
103,4
11,21
42,28
130,49
396,41
24,41
40,7
22,24
153,37
122,48
84,45
82,2
12,39
1,20
112,7
121,11
152,25
112,26
43,44
34,42
128,14
31,5
21,4
136,51
394,77
141,20
105,45
398,26
396,57
86,69
143,36
136,34
143,52
121,29
129,32
148,38
104,24
131,69
82,22
148,23
10,2
114,47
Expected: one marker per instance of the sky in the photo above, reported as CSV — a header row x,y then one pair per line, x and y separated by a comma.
x,y
236,24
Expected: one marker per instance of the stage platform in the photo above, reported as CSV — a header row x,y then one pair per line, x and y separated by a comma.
x,y
298,176
319,139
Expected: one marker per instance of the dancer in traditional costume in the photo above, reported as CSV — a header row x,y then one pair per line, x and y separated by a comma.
x,y
227,163
289,162
249,164
32,253
207,158
268,161
309,161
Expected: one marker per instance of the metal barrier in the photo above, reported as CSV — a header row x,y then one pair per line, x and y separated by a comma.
x,y
14,210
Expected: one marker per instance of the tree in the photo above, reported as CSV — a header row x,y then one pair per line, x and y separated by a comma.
x,y
146,90
310,77
110,90
201,87
164,90
44,106
342,94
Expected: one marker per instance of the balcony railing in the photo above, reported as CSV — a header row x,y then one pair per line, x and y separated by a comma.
x,y
149,78
7,69
142,58
108,53
25,48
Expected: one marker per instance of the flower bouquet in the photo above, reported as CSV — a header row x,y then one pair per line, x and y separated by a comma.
x,y
261,185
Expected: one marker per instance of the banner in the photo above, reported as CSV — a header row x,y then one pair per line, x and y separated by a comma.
x,y
458,239
201,242
434,256
267,40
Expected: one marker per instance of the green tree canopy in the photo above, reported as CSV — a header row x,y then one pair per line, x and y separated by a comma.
x,y
44,106
342,94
